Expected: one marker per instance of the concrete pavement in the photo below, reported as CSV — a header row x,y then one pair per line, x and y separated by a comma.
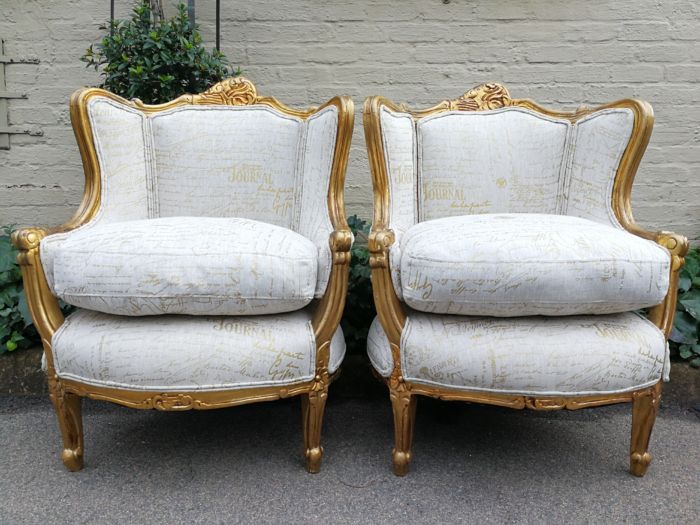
x,y
472,464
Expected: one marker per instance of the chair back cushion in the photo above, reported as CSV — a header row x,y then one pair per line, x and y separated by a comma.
x,y
508,160
219,161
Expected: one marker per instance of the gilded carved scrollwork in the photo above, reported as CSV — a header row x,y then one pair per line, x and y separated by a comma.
x,y
483,97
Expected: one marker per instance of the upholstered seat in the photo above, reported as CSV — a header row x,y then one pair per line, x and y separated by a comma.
x,y
528,264
531,356
182,265
188,353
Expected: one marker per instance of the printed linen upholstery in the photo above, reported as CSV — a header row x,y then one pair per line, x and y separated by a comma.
x,y
507,160
188,353
217,161
182,265
529,264
575,355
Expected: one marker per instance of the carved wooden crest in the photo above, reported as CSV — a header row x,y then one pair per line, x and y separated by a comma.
x,y
236,91
483,97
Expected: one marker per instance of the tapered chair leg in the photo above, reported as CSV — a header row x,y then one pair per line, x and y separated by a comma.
x,y
70,422
404,406
644,407
313,405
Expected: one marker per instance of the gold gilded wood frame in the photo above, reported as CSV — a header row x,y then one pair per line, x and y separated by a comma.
x,y
392,314
66,395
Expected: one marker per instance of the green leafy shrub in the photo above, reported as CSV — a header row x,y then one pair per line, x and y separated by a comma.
x,y
155,60
359,306
685,336
16,328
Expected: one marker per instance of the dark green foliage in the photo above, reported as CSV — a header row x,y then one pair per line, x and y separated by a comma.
x,y
16,329
685,336
359,306
155,61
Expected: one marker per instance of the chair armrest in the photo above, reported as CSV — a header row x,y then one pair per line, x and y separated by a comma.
x,y
43,305
330,307
389,308
662,315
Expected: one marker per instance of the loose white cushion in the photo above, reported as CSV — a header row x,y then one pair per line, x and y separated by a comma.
x,y
574,355
182,265
187,353
529,264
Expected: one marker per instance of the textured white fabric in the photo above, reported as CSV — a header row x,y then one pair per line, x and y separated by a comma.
x,y
119,136
597,147
575,355
313,220
399,143
183,265
507,160
220,161
529,264
187,353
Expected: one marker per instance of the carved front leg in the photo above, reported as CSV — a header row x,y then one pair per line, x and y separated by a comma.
x,y
70,421
645,404
403,404
313,405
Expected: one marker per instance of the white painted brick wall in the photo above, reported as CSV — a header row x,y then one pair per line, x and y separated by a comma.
x,y
558,52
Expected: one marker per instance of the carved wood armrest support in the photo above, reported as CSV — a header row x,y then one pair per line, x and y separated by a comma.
x,y
43,305
330,307
662,314
390,310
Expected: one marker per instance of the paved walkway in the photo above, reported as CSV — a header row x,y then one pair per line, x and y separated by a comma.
x,y
472,464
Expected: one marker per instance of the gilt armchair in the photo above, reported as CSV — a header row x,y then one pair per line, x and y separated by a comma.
x,y
208,260
507,267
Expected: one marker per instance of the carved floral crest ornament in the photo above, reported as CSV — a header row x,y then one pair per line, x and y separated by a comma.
x,y
386,124
315,325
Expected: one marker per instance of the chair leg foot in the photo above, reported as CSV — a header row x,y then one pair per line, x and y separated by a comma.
x,y
312,407
404,407
644,407
70,422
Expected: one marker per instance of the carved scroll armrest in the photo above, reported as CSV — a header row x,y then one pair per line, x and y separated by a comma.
x,y
43,305
678,245
330,307
389,309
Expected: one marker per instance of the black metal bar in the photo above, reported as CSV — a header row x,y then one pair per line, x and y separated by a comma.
x,y
190,12
218,25
111,17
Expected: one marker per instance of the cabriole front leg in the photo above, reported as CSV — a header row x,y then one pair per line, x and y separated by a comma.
x,y
313,405
403,404
645,404
70,422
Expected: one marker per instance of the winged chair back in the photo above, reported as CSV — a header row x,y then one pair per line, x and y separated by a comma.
x,y
487,153
226,152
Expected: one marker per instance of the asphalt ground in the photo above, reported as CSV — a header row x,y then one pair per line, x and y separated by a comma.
x,y
472,464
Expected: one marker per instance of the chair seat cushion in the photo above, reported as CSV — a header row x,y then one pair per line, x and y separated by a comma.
x,y
575,355
182,265
508,265
188,353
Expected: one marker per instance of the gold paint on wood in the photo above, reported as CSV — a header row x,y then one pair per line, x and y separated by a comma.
x,y
391,311
48,317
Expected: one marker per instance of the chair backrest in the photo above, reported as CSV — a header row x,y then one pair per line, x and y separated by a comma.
x,y
487,153
223,153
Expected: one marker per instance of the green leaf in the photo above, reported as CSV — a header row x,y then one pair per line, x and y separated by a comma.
x,y
691,301
11,346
